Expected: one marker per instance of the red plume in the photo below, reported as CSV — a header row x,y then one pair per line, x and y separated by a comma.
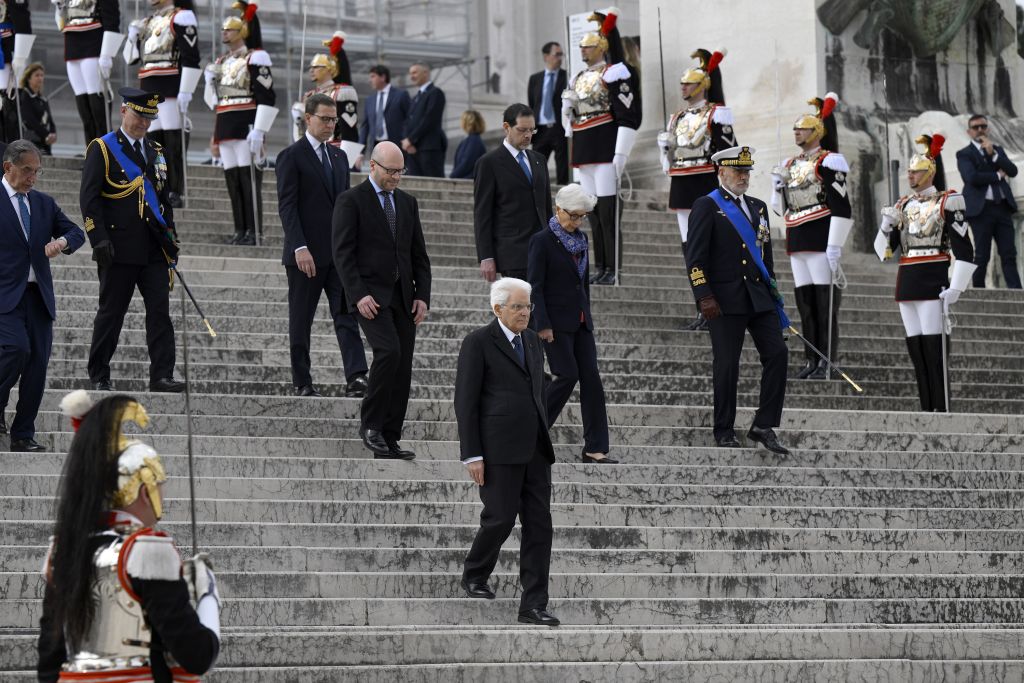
x,y
716,58
76,422
250,12
336,43
608,25
935,147
829,105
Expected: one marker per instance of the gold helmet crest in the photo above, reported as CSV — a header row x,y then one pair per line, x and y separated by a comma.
x,y
702,73
326,61
816,121
925,160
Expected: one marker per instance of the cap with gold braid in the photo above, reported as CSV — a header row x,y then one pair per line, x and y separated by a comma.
x,y
735,157
141,102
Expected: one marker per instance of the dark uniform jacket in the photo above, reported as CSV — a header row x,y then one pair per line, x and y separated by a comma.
x,y
719,263
810,233
184,54
979,172
596,144
114,212
85,40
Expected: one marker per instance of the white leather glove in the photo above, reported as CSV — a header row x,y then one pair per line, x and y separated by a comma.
x,y
890,218
184,99
950,296
663,138
133,31
210,90
620,164
778,182
105,63
17,67
255,138
833,254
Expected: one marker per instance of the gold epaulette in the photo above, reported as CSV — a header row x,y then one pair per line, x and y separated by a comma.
x,y
123,189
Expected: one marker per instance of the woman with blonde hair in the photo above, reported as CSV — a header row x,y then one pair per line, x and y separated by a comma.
x,y
470,149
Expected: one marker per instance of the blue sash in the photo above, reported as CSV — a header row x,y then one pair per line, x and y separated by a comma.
x,y
132,170
5,26
749,237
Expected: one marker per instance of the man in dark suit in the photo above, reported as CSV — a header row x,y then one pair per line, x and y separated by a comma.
x,y
729,254
544,95
424,140
393,102
123,173
504,443
511,198
984,168
310,175
382,258
33,230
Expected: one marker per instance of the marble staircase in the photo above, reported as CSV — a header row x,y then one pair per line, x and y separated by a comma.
x,y
888,546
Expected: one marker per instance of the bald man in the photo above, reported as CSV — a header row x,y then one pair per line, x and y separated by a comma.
x,y
382,258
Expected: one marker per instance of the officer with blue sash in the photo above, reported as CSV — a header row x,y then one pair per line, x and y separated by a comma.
x,y
130,225
729,258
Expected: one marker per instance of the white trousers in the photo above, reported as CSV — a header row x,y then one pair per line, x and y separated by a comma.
x,y
683,218
84,75
234,153
167,116
922,317
810,268
598,179
5,75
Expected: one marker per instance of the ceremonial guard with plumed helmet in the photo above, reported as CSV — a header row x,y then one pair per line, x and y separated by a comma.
x,y
602,109
16,41
332,76
930,228
810,192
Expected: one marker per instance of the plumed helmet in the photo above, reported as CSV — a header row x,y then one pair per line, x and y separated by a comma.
x,y
707,74
822,121
930,158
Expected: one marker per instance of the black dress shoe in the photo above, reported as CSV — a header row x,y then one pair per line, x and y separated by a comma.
x,y
399,452
167,385
766,437
477,590
248,239
374,440
306,390
538,617
3,424
696,324
820,371
807,369
728,441
102,385
357,387
597,461
26,446
236,237
607,279
174,199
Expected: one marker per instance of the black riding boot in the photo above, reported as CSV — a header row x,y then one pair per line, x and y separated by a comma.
x,y
916,348
804,297
824,328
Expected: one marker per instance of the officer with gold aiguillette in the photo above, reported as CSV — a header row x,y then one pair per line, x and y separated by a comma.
x,y
130,225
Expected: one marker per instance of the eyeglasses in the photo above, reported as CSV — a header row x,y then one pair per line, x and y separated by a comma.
x,y
980,126
574,216
37,172
525,131
519,308
558,54
326,119
390,171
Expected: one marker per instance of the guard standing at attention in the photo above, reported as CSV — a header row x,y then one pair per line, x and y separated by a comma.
x,y
331,76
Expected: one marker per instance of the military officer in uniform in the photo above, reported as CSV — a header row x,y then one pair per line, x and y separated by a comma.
x,y
91,39
118,603
16,42
732,272
809,191
928,226
130,226
166,45
240,89
602,104
694,133
332,76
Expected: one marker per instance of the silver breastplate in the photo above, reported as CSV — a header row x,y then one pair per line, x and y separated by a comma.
x,y
233,86
921,223
158,41
690,134
119,637
803,189
80,12
3,11
592,94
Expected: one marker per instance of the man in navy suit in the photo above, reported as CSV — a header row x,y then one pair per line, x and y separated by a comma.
x,y
393,102
310,175
984,168
425,142
544,95
33,230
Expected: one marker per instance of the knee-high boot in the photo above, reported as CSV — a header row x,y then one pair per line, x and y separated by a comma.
x,y
804,297
916,349
933,361
606,209
237,205
826,327
172,153
98,106
597,236
85,114
249,203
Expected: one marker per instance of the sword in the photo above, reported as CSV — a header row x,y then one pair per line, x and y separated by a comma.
x,y
947,328
831,312
661,61
829,363
188,414
199,310
255,211
184,162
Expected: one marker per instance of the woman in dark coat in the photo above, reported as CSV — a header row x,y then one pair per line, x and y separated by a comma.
x,y
559,271
35,110
472,148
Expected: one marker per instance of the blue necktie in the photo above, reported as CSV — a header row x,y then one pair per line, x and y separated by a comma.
x,y
547,112
380,115
517,344
523,164
26,218
327,165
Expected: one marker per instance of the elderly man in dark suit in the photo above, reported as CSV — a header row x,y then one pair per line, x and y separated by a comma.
x,y
380,253
984,168
393,102
310,175
544,95
33,230
424,140
504,443
511,198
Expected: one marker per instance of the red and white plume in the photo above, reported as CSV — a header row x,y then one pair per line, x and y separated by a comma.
x,y
250,12
611,16
829,105
935,146
716,58
337,40
76,405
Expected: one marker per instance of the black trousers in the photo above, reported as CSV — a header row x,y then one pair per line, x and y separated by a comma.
x,y
572,357
513,272
26,336
510,490
426,162
303,298
117,285
726,344
392,336
552,139
995,222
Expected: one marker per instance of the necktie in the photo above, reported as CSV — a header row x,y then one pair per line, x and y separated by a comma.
x,y
547,112
26,218
517,345
523,164
380,115
743,207
327,165
138,150
389,213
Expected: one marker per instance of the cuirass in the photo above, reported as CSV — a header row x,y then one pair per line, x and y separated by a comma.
x,y
592,94
922,221
233,81
691,137
158,40
80,12
803,187
3,11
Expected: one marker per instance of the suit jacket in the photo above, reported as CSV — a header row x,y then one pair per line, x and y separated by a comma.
x,y
719,263
47,222
467,154
424,125
535,93
396,110
558,293
136,240
499,404
507,209
305,199
367,256
979,172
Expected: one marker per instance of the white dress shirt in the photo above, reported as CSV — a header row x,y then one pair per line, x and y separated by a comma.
x,y
510,335
11,192
995,155
382,103
132,141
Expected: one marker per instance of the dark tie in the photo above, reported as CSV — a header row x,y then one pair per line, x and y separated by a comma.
x,y
997,194
327,165
517,344
26,217
380,115
389,213
525,165
138,151
547,112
